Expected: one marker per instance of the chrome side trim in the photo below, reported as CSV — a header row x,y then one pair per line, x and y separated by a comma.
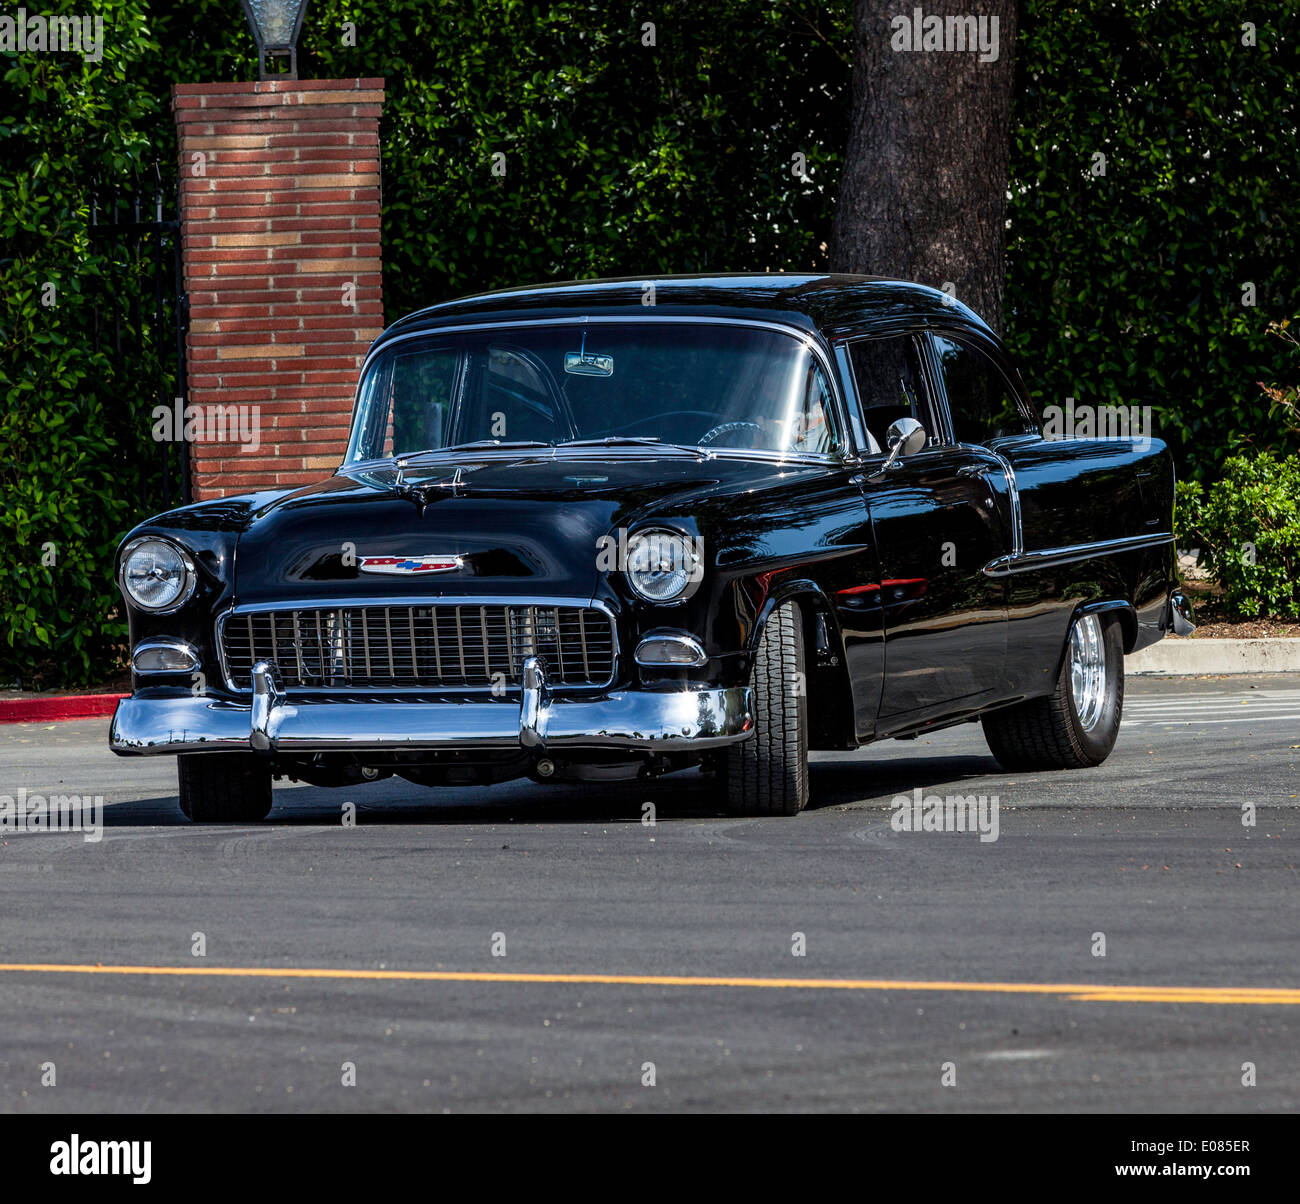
x,y
1013,495
1026,562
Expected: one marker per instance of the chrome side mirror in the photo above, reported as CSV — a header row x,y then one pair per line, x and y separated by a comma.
x,y
905,437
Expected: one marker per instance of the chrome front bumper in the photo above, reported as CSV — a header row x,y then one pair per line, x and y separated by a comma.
x,y
639,720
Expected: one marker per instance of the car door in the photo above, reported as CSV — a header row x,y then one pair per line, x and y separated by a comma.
x,y
937,517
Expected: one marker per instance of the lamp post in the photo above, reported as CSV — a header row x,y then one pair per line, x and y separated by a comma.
x,y
275,25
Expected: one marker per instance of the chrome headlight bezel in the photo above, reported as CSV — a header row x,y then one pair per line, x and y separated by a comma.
x,y
189,577
687,558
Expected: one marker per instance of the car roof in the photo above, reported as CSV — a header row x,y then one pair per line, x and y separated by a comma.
x,y
827,304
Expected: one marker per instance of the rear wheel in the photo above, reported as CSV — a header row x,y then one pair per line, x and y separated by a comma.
x,y
768,773
224,788
1075,727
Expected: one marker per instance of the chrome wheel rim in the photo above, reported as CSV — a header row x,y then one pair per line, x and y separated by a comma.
x,y
1087,670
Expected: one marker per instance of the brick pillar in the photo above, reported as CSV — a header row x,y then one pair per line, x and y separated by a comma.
x,y
279,214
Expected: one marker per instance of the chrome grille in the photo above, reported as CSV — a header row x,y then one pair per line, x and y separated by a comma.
x,y
464,646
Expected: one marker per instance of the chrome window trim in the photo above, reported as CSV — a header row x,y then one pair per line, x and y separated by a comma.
x,y
808,339
384,600
979,344
916,336
646,451
863,441
1026,562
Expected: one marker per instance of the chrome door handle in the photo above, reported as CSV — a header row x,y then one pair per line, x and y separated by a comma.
x,y
974,470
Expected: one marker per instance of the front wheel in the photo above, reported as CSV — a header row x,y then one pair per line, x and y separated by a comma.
x,y
224,788
768,773
1074,727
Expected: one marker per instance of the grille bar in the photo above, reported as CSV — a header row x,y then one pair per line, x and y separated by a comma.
x,y
445,645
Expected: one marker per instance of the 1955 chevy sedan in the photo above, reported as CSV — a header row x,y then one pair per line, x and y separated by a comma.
x,y
615,529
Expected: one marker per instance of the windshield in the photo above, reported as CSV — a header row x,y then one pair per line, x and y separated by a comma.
x,y
699,384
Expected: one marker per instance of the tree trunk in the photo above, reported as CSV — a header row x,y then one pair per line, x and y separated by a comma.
x,y
923,194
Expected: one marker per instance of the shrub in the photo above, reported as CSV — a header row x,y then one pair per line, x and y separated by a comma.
x,y
1246,526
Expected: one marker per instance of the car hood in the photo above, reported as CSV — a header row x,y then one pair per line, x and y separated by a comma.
x,y
510,526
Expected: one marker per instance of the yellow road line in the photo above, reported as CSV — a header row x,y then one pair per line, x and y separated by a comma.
x,y
1087,992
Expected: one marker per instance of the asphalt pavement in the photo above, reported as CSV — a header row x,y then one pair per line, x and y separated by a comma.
x,y
1126,943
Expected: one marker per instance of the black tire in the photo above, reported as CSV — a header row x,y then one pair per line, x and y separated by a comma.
x,y
768,773
1046,733
224,788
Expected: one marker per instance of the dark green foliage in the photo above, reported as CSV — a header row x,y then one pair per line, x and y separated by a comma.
x,y
75,453
627,159
1127,288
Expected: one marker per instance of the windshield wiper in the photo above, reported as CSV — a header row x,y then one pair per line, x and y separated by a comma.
x,y
496,443
635,441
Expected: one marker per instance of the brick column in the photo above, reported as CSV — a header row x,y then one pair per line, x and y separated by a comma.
x,y
279,216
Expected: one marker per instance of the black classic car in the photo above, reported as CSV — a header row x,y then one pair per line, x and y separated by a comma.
x,y
614,529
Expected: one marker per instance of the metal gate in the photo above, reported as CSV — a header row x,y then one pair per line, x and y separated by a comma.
x,y
145,324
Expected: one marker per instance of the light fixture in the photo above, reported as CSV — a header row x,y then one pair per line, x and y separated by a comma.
x,y
275,25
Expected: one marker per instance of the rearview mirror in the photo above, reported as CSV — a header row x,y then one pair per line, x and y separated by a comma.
x,y
583,363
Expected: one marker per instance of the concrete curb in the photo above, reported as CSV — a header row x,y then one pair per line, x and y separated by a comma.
x,y
57,706
1213,658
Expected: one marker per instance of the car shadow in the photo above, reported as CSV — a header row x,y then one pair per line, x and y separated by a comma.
x,y
876,782
688,795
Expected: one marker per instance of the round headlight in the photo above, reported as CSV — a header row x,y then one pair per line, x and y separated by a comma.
x,y
661,565
157,574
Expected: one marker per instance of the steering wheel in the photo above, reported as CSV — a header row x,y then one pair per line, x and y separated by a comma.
x,y
724,428
652,422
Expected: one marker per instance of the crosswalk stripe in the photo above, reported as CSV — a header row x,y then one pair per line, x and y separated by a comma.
x,y
1210,719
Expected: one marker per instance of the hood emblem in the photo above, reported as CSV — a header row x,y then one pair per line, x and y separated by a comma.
x,y
405,566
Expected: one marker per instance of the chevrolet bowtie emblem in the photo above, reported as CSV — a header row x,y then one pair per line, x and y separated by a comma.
x,y
402,566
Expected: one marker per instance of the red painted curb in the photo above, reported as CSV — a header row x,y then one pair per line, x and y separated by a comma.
x,y
62,706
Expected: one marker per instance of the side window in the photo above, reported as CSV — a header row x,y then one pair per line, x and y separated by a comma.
x,y
887,373
979,399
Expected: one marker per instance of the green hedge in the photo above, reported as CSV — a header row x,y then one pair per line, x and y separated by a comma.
x,y
75,455
1127,288
627,159
1246,526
